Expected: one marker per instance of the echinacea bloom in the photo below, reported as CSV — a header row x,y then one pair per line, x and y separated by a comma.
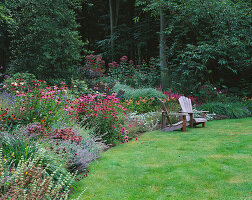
x,y
22,109
123,129
50,112
62,83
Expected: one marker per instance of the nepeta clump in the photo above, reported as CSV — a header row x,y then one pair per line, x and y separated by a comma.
x,y
76,149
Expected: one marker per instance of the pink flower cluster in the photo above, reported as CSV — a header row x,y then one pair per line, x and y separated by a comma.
x,y
114,64
124,59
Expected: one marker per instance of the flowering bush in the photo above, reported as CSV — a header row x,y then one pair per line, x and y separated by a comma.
x,y
104,112
45,105
22,82
94,67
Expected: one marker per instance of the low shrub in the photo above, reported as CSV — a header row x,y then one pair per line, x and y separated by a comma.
x,y
79,87
139,123
139,100
248,103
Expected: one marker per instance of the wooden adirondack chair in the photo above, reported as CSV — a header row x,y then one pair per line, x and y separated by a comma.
x,y
165,116
186,106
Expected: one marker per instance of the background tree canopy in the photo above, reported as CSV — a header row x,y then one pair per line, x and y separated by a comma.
x,y
203,42
44,38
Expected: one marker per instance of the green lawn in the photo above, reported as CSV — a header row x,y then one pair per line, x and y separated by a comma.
x,y
203,163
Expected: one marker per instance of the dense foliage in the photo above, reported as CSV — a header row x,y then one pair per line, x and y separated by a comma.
x,y
44,38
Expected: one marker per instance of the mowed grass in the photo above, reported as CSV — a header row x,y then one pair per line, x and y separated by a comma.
x,y
203,163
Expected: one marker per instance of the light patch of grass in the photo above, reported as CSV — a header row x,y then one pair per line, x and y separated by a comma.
x,y
203,163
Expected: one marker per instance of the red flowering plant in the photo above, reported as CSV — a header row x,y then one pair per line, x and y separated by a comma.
x,y
177,95
122,71
105,114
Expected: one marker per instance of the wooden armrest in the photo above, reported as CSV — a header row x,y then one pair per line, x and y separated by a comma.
x,y
178,114
201,111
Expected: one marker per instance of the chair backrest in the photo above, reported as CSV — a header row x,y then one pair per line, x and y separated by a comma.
x,y
186,105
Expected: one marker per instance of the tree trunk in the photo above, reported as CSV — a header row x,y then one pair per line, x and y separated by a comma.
x,y
117,12
111,28
163,64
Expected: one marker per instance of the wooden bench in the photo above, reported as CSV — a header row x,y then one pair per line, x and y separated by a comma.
x,y
186,106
